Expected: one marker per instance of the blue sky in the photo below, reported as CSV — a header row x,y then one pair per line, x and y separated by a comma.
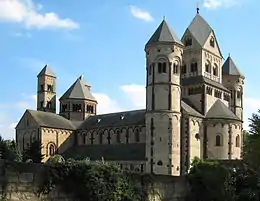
x,y
104,41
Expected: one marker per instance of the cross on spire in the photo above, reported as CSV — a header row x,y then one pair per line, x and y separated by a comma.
x,y
198,9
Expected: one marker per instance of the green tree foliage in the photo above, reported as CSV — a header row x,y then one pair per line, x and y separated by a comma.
x,y
252,143
9,151
92,181
210,181
56,159
33,152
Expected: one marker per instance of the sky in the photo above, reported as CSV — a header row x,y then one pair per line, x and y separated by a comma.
x,y
104,40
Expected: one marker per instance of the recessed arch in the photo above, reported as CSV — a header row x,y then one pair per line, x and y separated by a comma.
x,y
51,149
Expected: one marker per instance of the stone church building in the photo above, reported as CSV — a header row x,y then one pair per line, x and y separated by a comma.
x,y
194,107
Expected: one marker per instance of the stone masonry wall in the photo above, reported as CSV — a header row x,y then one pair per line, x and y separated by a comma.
x,y
20,181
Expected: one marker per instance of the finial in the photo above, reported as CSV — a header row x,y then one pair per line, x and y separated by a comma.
x,y
229,54
198,9
164,17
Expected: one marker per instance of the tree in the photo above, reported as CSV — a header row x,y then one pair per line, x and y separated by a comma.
x,y
210,181
33,152
56,159
9,151
252,143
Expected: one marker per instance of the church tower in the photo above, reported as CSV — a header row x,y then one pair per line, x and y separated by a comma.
x,y
163,101
46,90
233,80
78,103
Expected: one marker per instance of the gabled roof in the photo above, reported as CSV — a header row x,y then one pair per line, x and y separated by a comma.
x,y
51,120
230,68
201,30
220,111
78,90
164,34
46,71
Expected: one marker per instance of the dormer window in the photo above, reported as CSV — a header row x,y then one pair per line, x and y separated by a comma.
x,y
212,42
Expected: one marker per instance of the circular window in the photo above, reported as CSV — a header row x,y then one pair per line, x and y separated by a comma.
x,y
160,163
197,136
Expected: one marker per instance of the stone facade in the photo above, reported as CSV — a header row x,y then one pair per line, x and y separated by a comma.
x,y
194,108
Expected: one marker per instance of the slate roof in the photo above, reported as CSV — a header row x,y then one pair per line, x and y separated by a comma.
x,y
201,30
201,79
51,120
46,71
230,68
78,90
135,117
110,152
190,109
220,111
163,34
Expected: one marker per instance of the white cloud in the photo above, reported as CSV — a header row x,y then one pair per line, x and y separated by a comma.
x,y
136,94
214,4
141,14
106,104
28,13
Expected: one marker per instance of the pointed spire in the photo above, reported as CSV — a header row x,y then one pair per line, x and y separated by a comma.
x,y
78,90
46,71
163,34
230,68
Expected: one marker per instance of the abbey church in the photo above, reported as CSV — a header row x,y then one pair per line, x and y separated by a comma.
x,y
194,108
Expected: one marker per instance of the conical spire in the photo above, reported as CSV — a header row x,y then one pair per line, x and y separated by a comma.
x,y
230,68
46,71
163,34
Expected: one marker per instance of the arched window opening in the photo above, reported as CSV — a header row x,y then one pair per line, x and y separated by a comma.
x,y
108,138
164,67
51,150
118,136
215,70
100,138
237,141
188,41
212,42
77,108
207,67
218,140
137,135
